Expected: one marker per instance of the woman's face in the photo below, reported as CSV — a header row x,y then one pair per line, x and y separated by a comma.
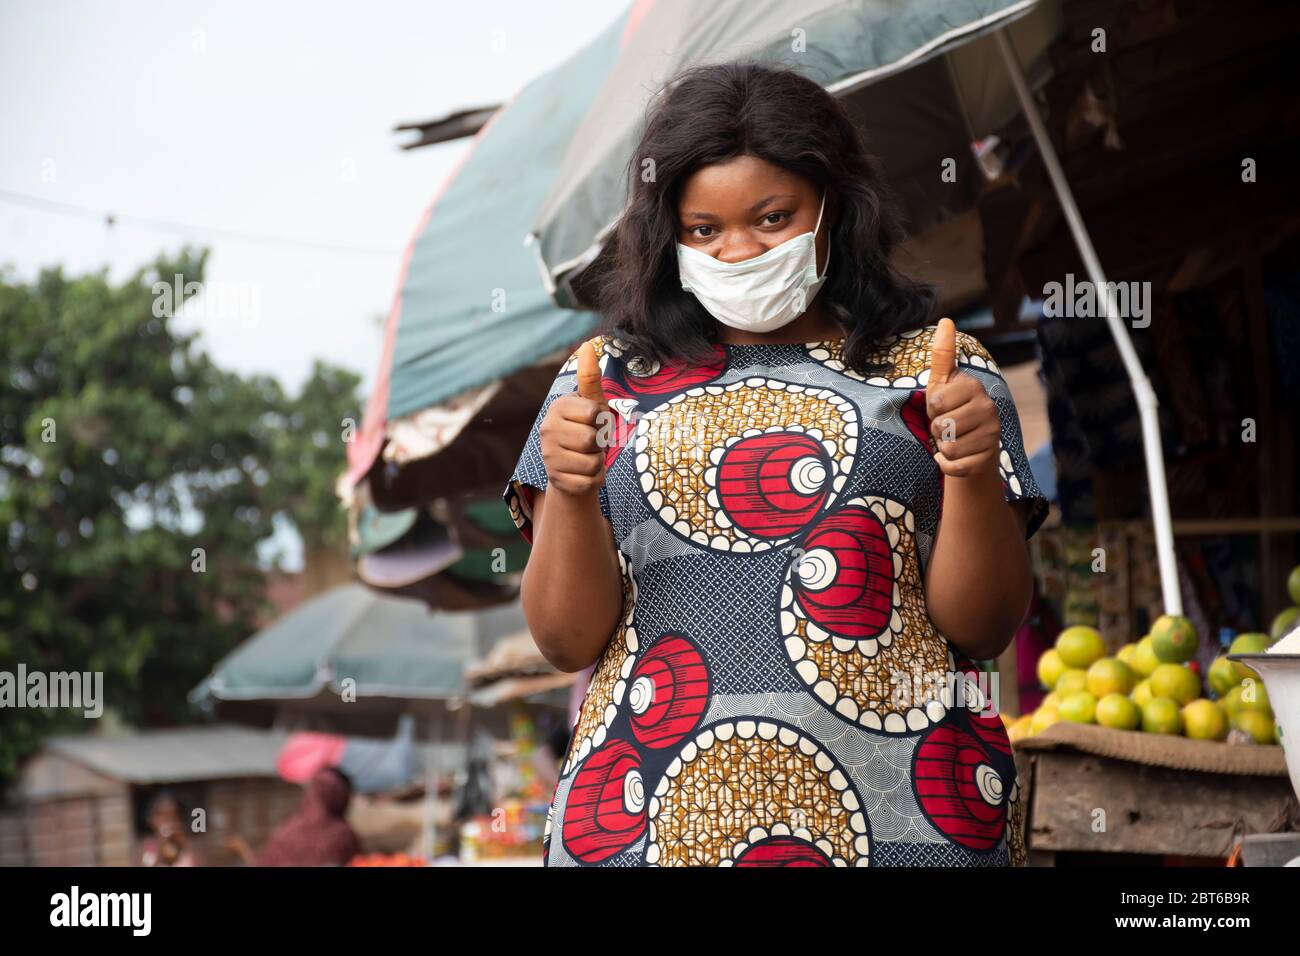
x,y
739,209
165,818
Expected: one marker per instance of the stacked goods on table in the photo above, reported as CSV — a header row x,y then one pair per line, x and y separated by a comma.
x,y
514,830
386,859
1155,686
1290,616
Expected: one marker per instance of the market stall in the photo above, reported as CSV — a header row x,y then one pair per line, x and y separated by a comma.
x,y
521,771
1146,753
1153,798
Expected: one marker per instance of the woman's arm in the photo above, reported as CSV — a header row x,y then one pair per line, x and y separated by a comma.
x,y
978,583
572,590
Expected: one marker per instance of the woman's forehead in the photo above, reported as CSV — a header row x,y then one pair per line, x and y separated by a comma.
x,y
740,182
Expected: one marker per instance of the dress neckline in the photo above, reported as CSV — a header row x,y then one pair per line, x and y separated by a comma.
x,y
782,345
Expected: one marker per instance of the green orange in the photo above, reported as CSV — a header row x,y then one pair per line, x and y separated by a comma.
x,y
1252,642
1205,720
1144,658
1254,696
1080,708
1284,622
1110,675
1142,692
1119,712
1259,725
1222,676
1079,646
1161,716
1043,718
1176,681
1174,639
1050,668
1071,682
1232,702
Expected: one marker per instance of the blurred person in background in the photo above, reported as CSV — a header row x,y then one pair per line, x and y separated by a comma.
x,y
317,834
168,843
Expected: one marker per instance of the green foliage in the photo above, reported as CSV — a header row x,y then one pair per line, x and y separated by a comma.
x,y
123,451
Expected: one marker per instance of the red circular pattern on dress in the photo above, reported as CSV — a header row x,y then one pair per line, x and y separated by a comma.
x,y
667,692
783,851
674,377
917,419
605,813
984,720
853,592
771,485
964,771
618,431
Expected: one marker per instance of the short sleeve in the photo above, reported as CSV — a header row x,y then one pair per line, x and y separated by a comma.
x,y
529,475
1018,482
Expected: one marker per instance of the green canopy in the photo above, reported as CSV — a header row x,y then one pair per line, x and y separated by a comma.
x,y
390,647
923,79
473,309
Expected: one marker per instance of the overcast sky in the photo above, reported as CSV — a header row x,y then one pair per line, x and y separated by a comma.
x,y
273,119
258,118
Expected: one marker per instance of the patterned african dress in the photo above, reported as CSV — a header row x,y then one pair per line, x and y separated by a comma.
x,y
775,693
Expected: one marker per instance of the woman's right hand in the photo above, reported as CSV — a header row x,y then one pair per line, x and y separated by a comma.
x,y
570,433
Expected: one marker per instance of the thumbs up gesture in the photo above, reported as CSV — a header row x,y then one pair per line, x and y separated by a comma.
x,y
574,432
964,421
589,385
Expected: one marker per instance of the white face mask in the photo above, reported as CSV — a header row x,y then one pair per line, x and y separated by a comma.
x,y
762,293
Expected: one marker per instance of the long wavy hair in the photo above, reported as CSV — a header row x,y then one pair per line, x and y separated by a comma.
x,y
710,114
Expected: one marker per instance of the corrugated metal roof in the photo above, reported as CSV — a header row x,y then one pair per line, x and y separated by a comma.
x,y
176,755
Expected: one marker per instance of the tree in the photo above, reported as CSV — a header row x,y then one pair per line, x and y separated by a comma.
x,y
136,481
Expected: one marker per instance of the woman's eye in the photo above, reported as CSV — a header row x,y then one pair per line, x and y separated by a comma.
x,y
779,216
694,230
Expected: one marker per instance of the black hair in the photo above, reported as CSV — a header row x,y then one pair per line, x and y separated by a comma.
x,y
161,797
712,113
347,781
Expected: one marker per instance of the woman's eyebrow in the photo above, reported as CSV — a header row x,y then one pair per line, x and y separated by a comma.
x,y
752,209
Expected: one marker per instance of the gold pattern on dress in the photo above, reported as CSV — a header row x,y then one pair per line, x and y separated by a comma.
x,y
604,346
894,681
742,781
605,688
680,444
908,358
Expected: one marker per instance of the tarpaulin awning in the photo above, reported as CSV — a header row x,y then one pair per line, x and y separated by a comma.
x,y
471,307
922,77
356,640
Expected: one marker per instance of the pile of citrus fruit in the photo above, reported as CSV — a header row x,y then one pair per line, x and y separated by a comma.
x,y
1152,686
1290,616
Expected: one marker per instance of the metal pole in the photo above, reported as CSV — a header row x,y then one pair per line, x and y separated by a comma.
x,y
431,770
1142,390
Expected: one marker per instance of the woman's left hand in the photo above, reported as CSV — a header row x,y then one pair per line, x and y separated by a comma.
x,y
963,419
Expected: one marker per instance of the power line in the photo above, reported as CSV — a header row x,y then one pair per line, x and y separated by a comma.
x,y
111,219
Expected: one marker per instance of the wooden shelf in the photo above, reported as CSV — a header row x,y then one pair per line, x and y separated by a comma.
x,y
1215,526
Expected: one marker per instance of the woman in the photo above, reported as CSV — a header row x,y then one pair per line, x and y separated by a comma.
x,y
168,842
316,834
741,529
